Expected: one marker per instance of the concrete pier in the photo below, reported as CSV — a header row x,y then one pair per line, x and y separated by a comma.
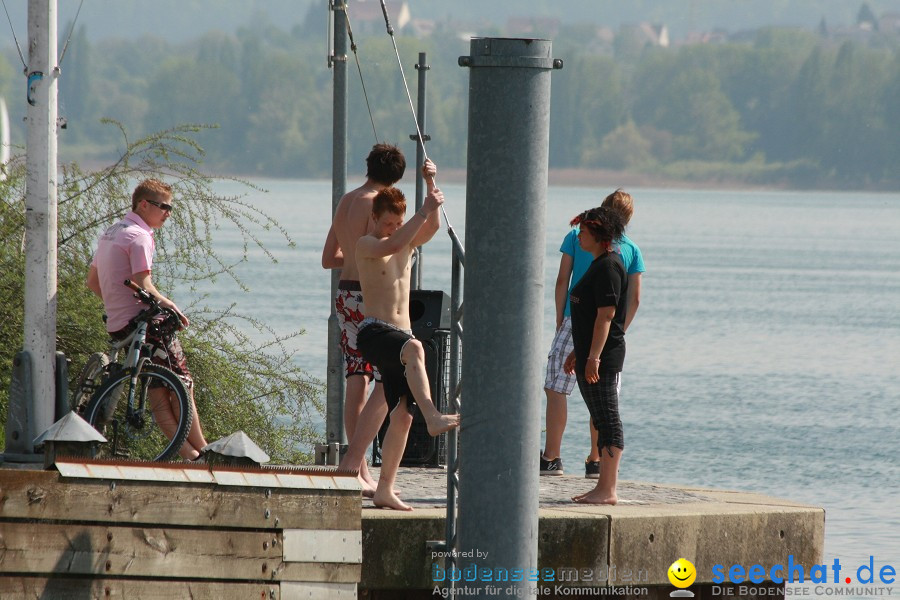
x,y
629,546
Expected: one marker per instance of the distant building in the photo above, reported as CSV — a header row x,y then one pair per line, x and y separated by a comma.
x,y
657,35
718,36
367,16
649,34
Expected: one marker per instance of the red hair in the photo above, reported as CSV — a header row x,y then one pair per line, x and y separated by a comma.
x,y
390,199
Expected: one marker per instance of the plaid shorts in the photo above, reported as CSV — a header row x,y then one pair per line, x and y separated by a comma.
x,y
602,400
165,351
348,305
557,380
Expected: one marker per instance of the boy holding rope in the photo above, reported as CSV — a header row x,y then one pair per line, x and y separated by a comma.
x,y
352,220
385,338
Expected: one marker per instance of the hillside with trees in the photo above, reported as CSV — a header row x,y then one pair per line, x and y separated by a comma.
x,y
781,106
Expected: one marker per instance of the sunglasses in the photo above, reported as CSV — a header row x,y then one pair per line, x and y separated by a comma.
x,y
160,205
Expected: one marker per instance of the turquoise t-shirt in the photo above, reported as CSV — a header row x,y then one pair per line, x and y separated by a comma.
x,y
629,251
631,256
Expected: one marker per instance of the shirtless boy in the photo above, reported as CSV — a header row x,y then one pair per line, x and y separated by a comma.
x,y
385,338
352,219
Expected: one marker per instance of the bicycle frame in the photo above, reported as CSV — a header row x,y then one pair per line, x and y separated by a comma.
x,y
135,341
134,360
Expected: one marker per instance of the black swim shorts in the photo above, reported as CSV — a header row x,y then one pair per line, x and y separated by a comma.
x,y
380,344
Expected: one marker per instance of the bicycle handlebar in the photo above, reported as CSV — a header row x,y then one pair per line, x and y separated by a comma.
x,y
151,301
140,293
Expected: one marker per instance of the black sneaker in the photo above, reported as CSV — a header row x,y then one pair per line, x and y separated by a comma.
x,y
551,467
592,469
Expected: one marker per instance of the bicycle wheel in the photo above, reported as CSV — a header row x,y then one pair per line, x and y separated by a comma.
x,y
88,381
135,434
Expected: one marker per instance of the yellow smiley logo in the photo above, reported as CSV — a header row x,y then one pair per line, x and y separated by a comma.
x,y
682,573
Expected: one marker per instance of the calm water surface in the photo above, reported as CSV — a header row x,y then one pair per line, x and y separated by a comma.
x,y
764,356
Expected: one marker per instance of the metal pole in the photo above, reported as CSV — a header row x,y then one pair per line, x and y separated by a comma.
x,y
334,409
40,211
456,315
509,123
422,67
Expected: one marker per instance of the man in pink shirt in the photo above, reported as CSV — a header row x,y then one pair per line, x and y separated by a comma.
x,y
125,251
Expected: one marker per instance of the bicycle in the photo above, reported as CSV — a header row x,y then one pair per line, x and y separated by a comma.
x,y
115,398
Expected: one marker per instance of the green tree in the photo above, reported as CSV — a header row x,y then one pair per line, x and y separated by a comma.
x,y
183,90
75,86
6,77
587,102
623,148
865,17
757,79
805,107
284,136
239,384
892,115
856,128
704,123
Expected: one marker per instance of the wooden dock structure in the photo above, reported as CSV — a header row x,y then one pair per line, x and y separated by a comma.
x,y
168,531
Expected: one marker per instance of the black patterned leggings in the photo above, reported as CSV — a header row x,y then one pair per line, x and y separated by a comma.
x,y
602,400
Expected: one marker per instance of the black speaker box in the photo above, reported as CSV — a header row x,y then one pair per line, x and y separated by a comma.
x,y
429,310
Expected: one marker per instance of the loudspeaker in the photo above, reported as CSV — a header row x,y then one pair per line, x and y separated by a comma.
x,y
422,450
429,310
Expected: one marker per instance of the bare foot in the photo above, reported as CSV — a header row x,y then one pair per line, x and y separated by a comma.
x,y
370,493
442,423
390,501
366,480
596,497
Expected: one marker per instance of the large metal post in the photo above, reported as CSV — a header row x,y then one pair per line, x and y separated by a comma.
x,y
422,67
334,409
40,212
509,123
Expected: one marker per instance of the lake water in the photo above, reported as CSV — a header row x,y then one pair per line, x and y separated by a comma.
x,y
764,356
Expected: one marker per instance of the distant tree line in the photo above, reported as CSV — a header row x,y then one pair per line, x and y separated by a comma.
x,y
784,106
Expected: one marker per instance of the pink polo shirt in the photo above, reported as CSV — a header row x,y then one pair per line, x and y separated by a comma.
x,y
124,249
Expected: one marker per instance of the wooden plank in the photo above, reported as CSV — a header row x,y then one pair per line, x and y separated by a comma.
x,y
318,591
43,588
128,551
42,495
322,545
43,548
318,572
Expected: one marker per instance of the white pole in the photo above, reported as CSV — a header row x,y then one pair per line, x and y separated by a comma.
x,y
4,138
40,210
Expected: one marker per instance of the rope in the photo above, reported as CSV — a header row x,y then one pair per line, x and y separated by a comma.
x,y
390,30
11,28
65,46
359,69
68,39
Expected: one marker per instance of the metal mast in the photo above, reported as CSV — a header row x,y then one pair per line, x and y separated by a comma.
x,y
334,408
422,67
509,130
